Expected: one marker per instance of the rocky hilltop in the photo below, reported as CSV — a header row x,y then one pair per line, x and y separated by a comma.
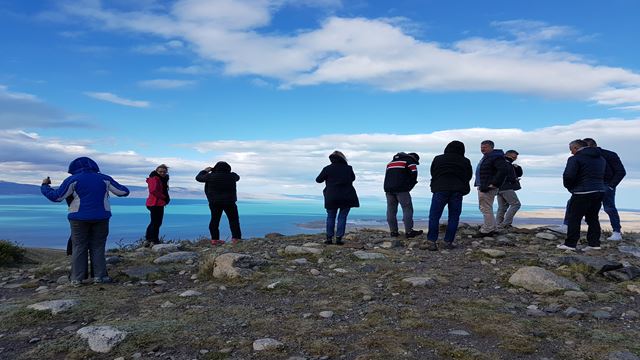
x,y
513,296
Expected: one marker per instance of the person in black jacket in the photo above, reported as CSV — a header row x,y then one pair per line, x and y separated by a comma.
x,y
508,202
490,174
584,178
339,194
220,188
450,176
613,175
399,179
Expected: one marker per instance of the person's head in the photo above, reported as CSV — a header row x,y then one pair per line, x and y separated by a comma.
x,y
456,147
415,156
221,167
486,146
83,164
512,154
337,157
576,145
590,142
162,170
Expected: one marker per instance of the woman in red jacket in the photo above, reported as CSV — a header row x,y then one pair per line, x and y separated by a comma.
x,y
158,182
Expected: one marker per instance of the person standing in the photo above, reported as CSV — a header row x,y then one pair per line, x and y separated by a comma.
x,y
584,178
613,175
339,194
450,176
89,214
400,178
508,202
490,174
158,183
220,188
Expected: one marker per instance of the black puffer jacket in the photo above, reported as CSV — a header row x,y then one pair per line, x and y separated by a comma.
x,y
451,171
614,172
514,173
492,170
220,183
585,171
339,191
401,174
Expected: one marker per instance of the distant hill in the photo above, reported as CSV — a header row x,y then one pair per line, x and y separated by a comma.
x,y
11,188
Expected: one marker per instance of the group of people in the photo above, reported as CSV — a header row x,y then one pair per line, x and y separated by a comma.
x,y
591,175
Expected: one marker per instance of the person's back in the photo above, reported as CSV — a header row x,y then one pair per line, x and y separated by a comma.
x,y
451,171
220,183
492,170
585,171
401,173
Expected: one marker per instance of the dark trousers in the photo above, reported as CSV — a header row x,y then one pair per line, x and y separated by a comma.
x,y
609,206
231,210
585,206
88,237
153,230
404,199
342,221
453,201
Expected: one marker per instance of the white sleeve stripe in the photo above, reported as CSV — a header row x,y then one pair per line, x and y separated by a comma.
x,y
69,191
115,190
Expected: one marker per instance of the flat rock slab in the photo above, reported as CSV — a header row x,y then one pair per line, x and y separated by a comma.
x,y
267,344
234,265
179,256
165,248
541,281
419,281
494,253
546,236
459,332
633,250
102,338
363,255
625,274
597,264
301,250
55,306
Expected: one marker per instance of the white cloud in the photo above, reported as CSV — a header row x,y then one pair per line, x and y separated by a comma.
x,y
167,47
534,31
187,70
166,83
113,98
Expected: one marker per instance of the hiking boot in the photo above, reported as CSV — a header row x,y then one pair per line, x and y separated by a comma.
x,y
449,246
394,234
414,233
329,240
615,236
339,240
432,246
565,247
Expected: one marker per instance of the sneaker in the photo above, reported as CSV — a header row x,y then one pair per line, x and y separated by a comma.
x,y
432,246
559,229
329,240
565,247
414,233
615,236
75,283
449,246
217,242
103,280
394,234
339,240
590,248
235,241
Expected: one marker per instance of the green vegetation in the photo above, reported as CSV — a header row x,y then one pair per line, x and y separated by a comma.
x,y
11,253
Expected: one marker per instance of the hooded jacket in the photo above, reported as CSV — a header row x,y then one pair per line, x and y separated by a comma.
x,y
491,170
219,184
614,172
401,174
585,171
158,189
339,191
89,188
514,172
451,171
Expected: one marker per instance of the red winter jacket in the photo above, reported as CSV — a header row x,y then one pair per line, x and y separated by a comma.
x,y
157,195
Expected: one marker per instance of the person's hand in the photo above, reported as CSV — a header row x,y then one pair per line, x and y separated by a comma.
x,y
208,169
46,181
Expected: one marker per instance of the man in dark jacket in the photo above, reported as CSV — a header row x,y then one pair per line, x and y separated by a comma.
x,y
508,202
339,194
450,176
613,175
584,178
490,174
220,188
89,214
399,179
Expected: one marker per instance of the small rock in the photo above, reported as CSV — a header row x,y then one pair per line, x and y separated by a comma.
x,y
179,256
576,295
167,304
546,236
62,280
536,312
301,261
571,312
165,248
301,250
190,293
273,285
102,338
113,260
494,253
42,288
601,315
633,288
267,344
459,332
326,314
367,298
159,282
622,355
631,315
310,244
314,272
541,281
34,340
55,306
420,281
363,255
340,270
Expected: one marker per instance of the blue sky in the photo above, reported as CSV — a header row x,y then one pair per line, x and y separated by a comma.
x,y
273,86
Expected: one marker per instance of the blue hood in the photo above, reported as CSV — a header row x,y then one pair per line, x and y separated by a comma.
x,y
83,164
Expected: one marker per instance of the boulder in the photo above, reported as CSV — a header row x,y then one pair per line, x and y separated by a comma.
x,y
267,344
165,248
597,264
233,265
102,338
55,306
541,281
179,256
363,255
302,250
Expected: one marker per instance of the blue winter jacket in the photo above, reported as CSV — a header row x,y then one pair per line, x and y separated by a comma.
x,y
89,188
585,171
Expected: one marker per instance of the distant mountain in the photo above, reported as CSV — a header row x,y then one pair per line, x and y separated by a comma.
x,y
11,188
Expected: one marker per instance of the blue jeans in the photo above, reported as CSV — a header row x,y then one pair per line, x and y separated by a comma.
x,y
453,201
342,221
609,206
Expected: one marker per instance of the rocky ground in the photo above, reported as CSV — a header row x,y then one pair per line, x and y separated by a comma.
x,y
513,296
